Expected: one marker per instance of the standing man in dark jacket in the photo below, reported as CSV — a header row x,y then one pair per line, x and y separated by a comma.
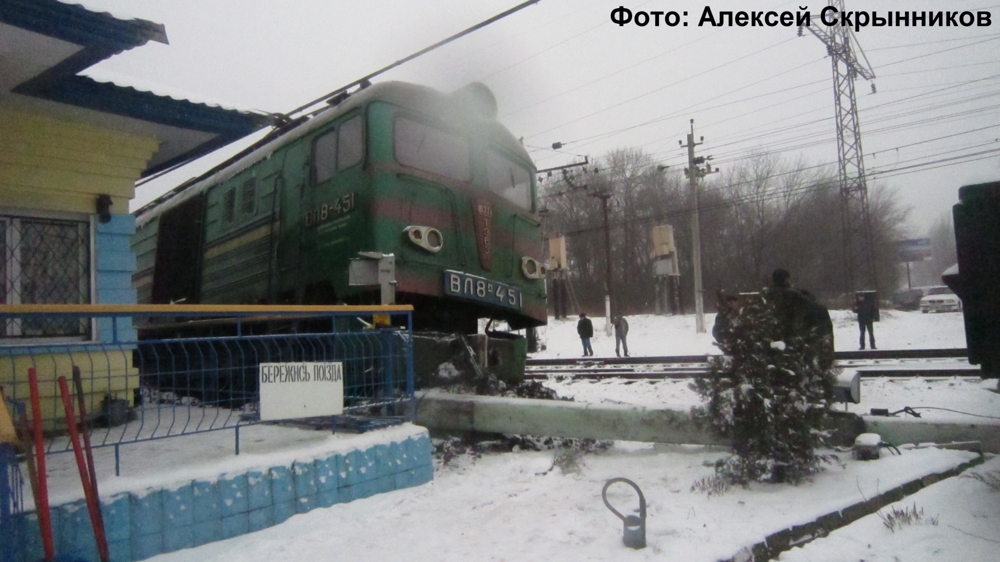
x,y
800,314
621,332
865,309
585,328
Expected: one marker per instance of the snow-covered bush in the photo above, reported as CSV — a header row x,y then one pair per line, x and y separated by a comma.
x,y
768,395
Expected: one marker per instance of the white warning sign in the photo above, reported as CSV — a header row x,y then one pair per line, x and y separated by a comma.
x,y
300,390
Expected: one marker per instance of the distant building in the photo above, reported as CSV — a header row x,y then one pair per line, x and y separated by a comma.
x,y
71,150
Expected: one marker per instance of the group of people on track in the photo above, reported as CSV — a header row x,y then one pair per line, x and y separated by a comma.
x,y
798,312
585,329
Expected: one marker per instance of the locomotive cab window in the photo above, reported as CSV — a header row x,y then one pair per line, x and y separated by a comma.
x,y
338,150
509,180
350,143
229,206
432,150
248,198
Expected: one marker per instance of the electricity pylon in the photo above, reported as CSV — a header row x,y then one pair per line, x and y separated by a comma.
x,y
856,223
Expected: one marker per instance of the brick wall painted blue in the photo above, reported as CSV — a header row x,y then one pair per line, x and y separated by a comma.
x,y
157,521
258,490
233,492
177,506
205,498
117,515
72,530
305,486
326,473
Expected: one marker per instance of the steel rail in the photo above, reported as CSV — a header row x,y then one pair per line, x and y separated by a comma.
x,y
951,353
935,363
970,373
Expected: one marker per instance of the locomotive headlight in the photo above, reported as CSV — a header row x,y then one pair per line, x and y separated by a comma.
x,y
427,237
532,269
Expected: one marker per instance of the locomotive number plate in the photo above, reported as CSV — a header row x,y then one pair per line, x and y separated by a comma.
x,y
471,287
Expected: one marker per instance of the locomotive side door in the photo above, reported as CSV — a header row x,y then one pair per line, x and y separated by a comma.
x,y
177,269
331,228
291,207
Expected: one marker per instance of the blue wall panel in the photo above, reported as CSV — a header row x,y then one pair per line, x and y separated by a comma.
x,y
157,521
113,275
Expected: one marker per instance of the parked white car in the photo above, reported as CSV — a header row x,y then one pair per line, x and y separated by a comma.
x,y
940,299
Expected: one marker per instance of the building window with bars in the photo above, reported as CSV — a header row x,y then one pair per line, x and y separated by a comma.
x,y
44,261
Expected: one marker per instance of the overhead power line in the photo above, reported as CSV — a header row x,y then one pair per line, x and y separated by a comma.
x,y
404,60
656,90
604,135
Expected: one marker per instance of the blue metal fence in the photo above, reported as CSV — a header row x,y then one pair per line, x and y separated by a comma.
x,y
165,371
11,501
11,492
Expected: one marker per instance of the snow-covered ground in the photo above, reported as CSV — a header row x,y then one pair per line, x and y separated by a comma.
x,y
951,398
518,507
547,505
651,335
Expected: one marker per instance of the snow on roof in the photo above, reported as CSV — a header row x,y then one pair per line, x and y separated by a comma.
x,y
118,13
106,76
264,150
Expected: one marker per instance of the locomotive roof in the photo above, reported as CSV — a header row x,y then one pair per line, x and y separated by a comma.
x,y
463,107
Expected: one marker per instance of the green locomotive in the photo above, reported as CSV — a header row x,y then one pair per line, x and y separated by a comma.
x,y
430,180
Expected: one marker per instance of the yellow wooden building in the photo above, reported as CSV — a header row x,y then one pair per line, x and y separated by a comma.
x,y
71,151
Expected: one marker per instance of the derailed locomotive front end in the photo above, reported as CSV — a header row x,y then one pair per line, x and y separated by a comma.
x,y
453,198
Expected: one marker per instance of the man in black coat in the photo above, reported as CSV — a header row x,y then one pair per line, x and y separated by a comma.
x,y
865,309
800,314
585,328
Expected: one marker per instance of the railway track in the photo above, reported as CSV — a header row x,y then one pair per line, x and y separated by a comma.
x,y
878,363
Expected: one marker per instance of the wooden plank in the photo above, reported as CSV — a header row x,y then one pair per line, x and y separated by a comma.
x,y
35,178
102,161
60,201
33,127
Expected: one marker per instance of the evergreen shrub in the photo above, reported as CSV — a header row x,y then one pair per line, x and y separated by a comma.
x,y
769,395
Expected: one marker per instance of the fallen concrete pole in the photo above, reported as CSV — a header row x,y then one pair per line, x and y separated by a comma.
x,y
558,418
438,410
909,430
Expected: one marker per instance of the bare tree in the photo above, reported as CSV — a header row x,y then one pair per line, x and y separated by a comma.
x,y
761,213
943,253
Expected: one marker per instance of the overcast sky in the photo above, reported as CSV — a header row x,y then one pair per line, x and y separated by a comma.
x,y
562,71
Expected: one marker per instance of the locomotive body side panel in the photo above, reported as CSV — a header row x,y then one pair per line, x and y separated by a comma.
x,y
293,163
239,229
